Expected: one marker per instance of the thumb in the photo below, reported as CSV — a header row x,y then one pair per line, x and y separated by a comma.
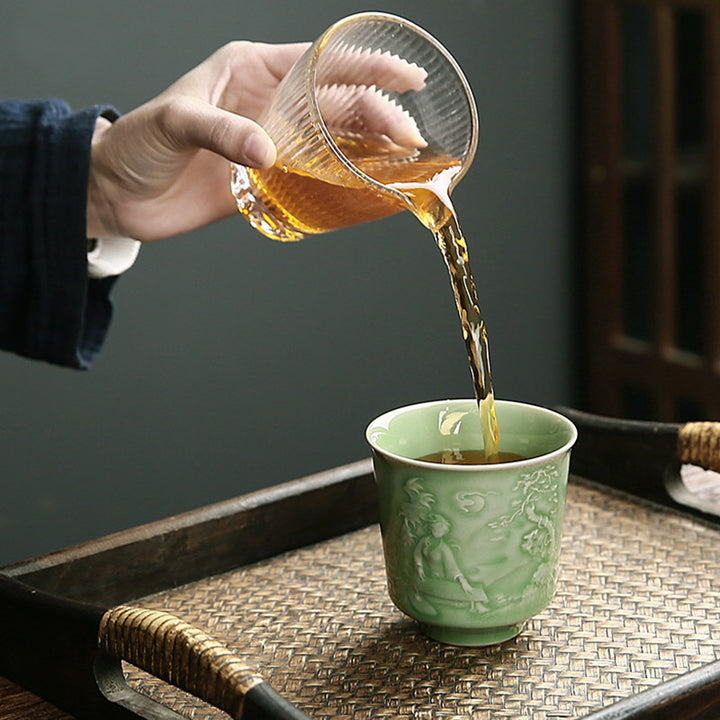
x,y
192,123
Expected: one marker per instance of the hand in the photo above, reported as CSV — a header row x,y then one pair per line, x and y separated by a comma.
x,y
162,169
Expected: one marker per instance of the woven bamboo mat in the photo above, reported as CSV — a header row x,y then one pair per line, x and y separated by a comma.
x,y
638,603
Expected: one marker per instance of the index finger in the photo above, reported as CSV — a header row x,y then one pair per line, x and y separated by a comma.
x,y
358,66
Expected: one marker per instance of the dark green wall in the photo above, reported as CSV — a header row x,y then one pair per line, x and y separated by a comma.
x,y
235,362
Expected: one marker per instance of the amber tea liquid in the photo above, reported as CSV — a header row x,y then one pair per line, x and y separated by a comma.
x,y
434,209
314,206
311,206
469,457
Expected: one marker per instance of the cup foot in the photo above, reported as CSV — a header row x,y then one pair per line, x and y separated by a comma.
x,y
472,637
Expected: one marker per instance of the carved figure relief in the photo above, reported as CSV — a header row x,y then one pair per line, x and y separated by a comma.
x,y
444,575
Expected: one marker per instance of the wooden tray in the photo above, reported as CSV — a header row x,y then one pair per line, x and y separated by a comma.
x,y
291,580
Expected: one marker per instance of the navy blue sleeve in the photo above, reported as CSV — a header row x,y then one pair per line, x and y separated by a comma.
x,y
49,309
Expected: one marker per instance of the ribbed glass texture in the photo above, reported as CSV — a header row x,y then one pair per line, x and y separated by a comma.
x,y
443,109
349,75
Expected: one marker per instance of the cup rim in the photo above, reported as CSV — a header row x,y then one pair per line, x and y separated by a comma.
x,y
496,467
327,136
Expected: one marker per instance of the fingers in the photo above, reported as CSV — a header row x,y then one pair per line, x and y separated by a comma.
x,y
280,58
240,76
258,151
357,110
353,100
189,123
356,66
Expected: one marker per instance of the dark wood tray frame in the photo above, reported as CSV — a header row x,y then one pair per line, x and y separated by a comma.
x,y
207,541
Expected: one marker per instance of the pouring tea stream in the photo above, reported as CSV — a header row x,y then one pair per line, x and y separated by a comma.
x,y
375,118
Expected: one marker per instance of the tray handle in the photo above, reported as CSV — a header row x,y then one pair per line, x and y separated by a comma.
x,y
190,659
699,444
645,458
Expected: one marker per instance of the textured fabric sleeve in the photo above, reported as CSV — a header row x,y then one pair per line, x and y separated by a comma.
x,y
49,308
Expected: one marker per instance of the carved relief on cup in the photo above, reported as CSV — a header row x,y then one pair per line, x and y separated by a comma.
x,y
511,549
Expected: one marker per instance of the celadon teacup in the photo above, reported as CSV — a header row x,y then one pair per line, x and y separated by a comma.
x,y
471,551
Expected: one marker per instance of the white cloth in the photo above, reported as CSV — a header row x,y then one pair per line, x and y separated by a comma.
x,y
111,256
